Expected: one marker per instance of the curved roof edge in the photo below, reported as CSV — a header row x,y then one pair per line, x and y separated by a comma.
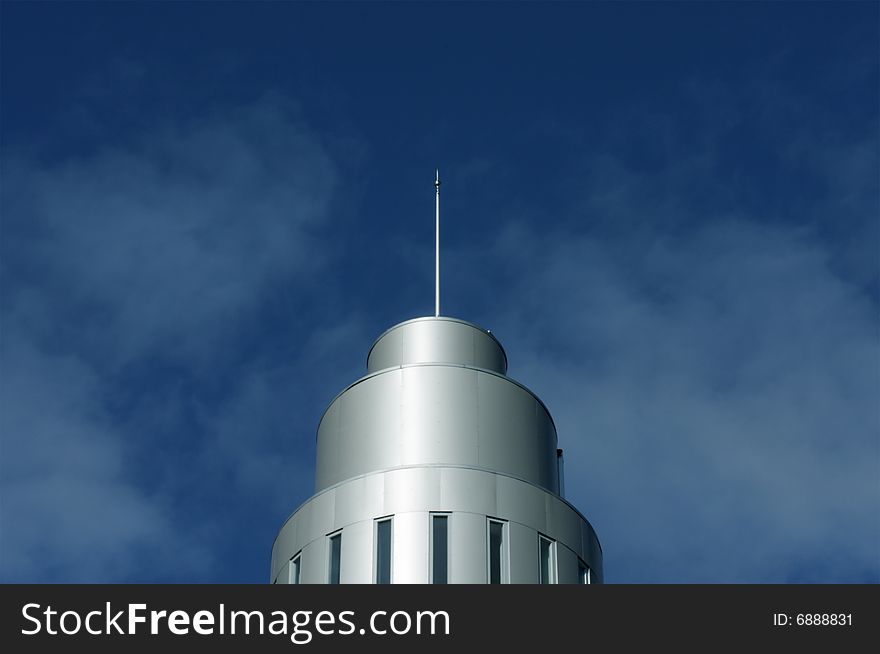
x,y
440,318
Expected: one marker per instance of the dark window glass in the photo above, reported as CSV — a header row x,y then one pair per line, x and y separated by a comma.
x,y
383,552
294,570
546,554
440,552
335,555
496,551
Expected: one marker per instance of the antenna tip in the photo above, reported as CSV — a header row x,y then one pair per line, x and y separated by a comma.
x,y
437,179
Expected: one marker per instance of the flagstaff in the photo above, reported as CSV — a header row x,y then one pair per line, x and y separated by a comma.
x,y
437,246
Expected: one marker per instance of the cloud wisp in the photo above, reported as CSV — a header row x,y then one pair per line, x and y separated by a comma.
x,y
131,277
715,387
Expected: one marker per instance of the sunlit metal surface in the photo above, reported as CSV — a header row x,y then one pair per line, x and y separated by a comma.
x,y
437,340
436,426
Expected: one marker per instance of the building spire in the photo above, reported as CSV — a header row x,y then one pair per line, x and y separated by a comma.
x,y
437,246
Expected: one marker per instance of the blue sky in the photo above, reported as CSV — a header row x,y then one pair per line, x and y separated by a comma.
x,y
667,213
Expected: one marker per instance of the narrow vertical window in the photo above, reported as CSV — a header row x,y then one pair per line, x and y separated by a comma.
x,y
294,569
335,558
497,563
547,560
439,548
583,573
383,551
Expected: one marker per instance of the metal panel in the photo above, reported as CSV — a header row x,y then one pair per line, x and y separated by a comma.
x,y
438,416
357,553
419,415
437,340
314,562
559,522
320,516
467,546
520,502
592,552
374,496
462,489
409,494
410,558
350,502
411,489
566,564
328,453
523,554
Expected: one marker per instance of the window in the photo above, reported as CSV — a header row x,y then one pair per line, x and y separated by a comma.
x,y
383,551
547,560
293,574
497,552
335,558
439,548
583,573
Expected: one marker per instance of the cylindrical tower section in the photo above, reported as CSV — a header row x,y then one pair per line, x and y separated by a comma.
x,y
437,340
410,498
437,395
437,468
432,414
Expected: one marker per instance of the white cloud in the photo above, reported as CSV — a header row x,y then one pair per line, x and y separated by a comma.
x,y
167,243
133,277
69,509
715,390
